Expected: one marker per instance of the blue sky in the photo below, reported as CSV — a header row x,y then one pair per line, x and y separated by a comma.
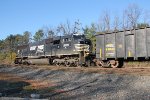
x,y
18,16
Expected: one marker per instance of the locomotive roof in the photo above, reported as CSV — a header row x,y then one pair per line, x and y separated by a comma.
x,y
48,40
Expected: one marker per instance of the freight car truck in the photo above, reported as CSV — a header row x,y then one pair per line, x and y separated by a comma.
x,y
113,48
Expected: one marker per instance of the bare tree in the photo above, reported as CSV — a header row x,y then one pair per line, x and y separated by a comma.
x,y
116,23
100,25
62,29
103,24
45,31
106,19
133,13
124,20
68,28
77,27
49,32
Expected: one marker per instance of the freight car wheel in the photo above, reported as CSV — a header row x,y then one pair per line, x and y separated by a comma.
x,y
99,63
115,64
108,64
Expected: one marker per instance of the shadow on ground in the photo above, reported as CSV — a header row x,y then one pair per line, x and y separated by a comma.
x,y
8,88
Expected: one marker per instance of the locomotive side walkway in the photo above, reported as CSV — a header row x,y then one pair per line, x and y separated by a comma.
x,y
77,83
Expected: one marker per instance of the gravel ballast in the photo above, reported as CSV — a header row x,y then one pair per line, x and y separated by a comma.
x,y
85,86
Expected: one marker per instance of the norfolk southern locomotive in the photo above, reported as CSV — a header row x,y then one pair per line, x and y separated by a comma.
x,y
70,50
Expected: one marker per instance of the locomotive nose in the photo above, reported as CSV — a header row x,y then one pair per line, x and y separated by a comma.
x,y
82,45
81,42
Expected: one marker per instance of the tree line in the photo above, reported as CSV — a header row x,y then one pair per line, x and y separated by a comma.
x,y
132,17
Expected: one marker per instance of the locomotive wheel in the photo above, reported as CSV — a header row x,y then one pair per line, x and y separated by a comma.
x,y
77,64
67,64
99,63
57,64
25,62
18,61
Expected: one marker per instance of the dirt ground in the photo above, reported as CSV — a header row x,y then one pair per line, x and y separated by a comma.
x,y
130,70
62,83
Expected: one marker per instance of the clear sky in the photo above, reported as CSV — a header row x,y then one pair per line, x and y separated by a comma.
x,y
18,16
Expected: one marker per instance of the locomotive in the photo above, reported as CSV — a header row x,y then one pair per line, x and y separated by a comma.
x,y
69,50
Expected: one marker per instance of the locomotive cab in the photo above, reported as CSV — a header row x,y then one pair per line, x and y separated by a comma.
x,y
81,43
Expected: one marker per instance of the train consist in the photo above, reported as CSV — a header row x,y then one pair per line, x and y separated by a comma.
x,y
112,49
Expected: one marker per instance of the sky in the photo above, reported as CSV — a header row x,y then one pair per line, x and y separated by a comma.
x,y
18,16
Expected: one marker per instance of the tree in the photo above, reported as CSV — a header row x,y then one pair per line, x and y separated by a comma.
x,y
19,40
9,41
104,22
116,23
106,18
100,25
68,28
39,35
90,32
142,25
61,29
10,46
125,21
77,27
1,45
26,37
51,33
133,13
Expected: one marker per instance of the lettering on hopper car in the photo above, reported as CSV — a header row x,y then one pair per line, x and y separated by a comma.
x,y
110,49
110,54
110,45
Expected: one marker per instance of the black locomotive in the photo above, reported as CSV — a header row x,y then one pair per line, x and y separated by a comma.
x,y
70,50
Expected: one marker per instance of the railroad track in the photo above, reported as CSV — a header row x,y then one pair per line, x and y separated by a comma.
x,y
134,70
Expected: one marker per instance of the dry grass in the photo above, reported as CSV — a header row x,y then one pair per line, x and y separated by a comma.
x,y
12,81
38,84
10,77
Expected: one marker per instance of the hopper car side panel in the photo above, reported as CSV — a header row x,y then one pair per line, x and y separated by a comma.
x,y
123,44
